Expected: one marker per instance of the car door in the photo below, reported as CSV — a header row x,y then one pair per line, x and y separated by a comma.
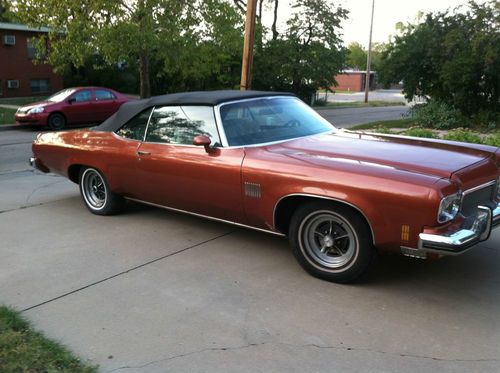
x,y
177,174
122,156
104,104
78,108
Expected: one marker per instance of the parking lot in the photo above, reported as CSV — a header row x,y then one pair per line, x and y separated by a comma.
x,y
152,290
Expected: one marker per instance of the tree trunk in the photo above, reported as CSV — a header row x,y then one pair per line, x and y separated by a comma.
x,y
144,75
275,20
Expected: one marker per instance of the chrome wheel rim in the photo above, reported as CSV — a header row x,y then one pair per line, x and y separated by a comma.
x,y
328,240
94,189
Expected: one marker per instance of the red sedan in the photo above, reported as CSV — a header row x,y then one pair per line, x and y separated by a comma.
x,y
72,106
269,162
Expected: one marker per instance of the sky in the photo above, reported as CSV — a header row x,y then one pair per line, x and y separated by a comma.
x,y
387,14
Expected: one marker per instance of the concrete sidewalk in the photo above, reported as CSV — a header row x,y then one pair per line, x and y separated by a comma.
x,y
155,291
9,106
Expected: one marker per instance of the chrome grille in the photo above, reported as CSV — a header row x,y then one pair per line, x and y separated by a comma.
x,y
476,197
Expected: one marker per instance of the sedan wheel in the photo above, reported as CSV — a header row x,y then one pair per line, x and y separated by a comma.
x,y
56,121
330,241
96,193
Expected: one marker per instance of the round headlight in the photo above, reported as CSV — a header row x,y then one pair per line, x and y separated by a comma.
x,y
449,207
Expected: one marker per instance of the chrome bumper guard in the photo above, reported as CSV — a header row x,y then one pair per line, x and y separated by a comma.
x,y
36,164
473,231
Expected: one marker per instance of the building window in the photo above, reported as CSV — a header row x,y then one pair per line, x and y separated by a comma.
x,y
31,48
36,50
40,85
13,84
9,39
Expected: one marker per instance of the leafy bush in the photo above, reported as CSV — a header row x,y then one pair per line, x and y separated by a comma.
x,y
435,114
463,135
320,102
451,56
420,132
493,140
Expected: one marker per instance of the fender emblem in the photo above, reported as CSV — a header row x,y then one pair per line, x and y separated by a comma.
x,y
252,190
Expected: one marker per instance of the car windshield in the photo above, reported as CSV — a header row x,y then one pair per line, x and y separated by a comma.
x,y
61,95
259,121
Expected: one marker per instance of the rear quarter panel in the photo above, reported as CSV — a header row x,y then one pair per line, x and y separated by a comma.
x,y
102,150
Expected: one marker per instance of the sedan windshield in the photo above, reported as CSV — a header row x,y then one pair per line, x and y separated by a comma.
x,y
259,121
61,95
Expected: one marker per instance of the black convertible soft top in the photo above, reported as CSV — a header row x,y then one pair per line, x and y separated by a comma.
x,y
208,98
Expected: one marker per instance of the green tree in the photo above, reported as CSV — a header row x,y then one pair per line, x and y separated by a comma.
x,y
356,56
6,14
307,55
451,57
134,31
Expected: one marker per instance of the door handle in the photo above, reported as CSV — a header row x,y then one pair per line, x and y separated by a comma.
x,y
141,152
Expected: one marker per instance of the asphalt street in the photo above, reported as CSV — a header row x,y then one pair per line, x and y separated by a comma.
x,y
153,291
348,117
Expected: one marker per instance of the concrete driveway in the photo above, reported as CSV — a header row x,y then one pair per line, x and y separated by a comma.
x,y
155,291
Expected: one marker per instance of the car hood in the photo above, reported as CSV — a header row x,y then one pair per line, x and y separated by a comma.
x,y
436,158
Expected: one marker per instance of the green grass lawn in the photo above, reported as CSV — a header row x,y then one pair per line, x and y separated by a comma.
x,y
329,105
24,350
21,100
387,124
408,127
7,116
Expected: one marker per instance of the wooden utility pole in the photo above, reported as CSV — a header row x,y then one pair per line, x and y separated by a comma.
x,y
246,66
369,58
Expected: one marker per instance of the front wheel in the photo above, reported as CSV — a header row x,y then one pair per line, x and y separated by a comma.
x,y
98,198
330,241
56,121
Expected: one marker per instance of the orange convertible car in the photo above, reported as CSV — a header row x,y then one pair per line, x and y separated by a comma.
x,y
267,161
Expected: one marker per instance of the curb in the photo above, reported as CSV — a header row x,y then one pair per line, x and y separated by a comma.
x,y
8,127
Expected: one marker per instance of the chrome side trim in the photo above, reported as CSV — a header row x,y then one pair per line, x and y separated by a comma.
x,y
205,216
147,124
218,123
327,198
485,185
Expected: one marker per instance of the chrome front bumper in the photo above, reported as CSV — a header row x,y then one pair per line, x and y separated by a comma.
x,y
37,164
473,231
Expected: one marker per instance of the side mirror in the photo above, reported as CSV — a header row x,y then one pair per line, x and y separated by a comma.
x,y
71,100
204,141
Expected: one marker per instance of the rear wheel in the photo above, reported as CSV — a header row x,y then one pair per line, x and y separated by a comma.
x,y
331,241
56,121
96,193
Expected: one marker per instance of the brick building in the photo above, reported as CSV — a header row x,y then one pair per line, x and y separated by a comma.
x,y
353,80
19,76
